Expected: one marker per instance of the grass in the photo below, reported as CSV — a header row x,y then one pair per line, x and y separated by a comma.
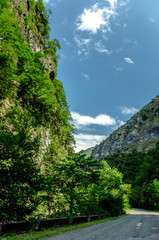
x,y
156,212
36,235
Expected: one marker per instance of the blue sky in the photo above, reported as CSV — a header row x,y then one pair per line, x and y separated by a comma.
x,y
109,61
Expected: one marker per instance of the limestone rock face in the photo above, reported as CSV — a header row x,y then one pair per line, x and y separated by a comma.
x,y
31,32
31,97
140,132
49,66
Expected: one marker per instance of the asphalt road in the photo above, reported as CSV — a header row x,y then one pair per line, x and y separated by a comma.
x,y
139,225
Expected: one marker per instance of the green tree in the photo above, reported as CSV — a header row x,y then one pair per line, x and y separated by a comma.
x,y
148,178
51,49
127,163
110,191
139,169
72,177
3,4
20,176
151,195
88,187
31,104
43,22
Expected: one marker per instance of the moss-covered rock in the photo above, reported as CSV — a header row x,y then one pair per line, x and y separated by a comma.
x,y
28,77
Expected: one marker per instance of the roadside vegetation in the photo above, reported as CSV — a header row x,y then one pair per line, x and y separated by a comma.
x,y
39,180
40,175
141,171
35,235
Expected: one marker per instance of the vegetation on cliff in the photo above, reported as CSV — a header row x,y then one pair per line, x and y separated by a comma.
x,y
26,87
39,173
35,127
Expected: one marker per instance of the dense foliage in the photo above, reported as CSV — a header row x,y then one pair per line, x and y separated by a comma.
x,y
34,116
38,170
26,84
19,176
84,186
141,170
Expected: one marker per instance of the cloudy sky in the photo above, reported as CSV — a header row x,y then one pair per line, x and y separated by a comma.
x,y
109,61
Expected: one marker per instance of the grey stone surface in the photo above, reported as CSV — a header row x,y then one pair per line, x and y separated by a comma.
x,y
140,132
137,226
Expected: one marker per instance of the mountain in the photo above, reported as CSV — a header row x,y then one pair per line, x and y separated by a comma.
x,y
88,151
141,132
35,129
32,99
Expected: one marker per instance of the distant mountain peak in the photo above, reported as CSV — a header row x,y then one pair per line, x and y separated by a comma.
x,y
141,132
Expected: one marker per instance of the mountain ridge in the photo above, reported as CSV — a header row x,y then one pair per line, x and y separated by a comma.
x,y
141,132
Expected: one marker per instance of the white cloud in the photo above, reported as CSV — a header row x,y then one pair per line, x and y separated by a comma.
x,y
95,18
128,111
128,60
112,3
123,3
86,76
119,123
101,48
82,44
52,4
46,1
84,141
66,42
102,119
98,18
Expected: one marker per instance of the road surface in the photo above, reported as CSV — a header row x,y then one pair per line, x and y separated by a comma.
x,y
139,225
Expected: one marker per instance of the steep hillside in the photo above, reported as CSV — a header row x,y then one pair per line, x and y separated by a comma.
x,y
88,151
35,131
141,132
32,100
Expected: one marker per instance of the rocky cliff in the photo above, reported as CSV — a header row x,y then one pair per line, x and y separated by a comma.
x,y
32,100
33,24
141,132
